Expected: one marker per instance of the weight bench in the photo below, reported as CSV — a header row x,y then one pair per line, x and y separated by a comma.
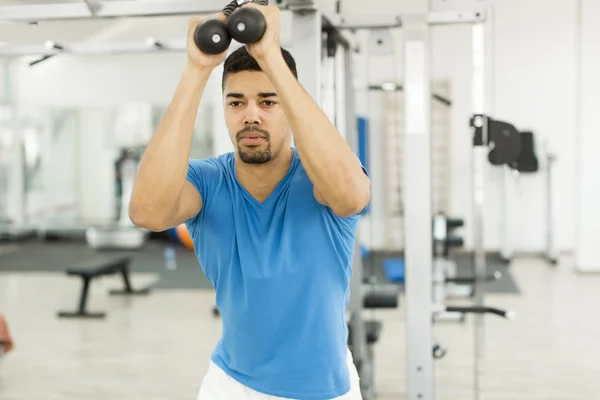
x,y
95,268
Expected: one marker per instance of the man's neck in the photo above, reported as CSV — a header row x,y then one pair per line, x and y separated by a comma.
x,y
261,179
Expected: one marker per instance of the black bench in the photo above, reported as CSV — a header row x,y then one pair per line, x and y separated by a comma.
x,y
94,268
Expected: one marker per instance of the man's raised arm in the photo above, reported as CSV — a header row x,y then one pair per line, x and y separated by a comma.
x,y
162,197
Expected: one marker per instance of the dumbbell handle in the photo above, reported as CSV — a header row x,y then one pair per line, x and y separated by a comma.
x,y
235,4
214,36
229,8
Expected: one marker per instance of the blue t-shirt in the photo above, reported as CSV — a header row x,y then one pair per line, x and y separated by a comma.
x,y
281,270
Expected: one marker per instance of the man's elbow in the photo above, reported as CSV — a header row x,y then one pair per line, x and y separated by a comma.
x,y
352,205
146,220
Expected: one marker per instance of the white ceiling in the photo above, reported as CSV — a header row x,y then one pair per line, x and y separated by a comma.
x,y
25,2
65,31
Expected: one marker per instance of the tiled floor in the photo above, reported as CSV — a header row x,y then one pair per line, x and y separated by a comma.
x,y
157,346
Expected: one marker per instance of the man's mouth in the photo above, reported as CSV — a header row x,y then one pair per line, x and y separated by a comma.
x,y
252,139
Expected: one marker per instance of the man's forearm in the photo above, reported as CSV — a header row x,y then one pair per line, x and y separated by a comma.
x,y
331,165
163,169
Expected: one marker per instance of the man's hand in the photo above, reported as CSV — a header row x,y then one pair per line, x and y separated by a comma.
x,y
269,45
196,56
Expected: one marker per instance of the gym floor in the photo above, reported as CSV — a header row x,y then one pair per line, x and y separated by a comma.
x,y
158,346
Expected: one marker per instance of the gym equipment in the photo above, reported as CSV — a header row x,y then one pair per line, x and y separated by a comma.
x,y
500,141
551,252
95,268
527,161
244,24
12,234
394,269
112,237
212,35
445,282
180,235
184,236
502,137
372,331
247,25
124,234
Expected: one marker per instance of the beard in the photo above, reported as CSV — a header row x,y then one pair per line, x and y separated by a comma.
x,y
258,154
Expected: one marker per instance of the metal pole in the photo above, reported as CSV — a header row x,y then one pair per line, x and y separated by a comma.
x,y
480,150
346,122
550,243
418,209
306,45
506,251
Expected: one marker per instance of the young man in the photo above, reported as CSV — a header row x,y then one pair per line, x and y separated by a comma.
x,y
273,226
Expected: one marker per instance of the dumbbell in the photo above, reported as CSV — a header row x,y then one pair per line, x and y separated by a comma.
x,y
246,25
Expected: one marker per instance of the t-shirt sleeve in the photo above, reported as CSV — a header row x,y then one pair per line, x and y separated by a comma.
x,y
195,176
364,210
351,219
203,174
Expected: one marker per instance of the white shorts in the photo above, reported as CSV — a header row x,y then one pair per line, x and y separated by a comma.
x,y
217,385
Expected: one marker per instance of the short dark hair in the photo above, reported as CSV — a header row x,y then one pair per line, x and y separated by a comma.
x,y
240,60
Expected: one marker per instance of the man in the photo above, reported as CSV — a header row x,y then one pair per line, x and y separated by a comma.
x,y
273,226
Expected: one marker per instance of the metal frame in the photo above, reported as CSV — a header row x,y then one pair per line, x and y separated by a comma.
x,y
95,48
480,150
108,9
397,21
418,209
100,9
417,200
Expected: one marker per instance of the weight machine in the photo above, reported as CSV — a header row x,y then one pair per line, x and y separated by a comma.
x,y
418,213
426,279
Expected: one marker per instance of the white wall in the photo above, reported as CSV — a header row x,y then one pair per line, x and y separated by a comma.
x,y
100,80
587,166
534,87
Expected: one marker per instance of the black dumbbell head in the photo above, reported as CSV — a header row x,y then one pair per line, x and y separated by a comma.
x,y
246,25
212,37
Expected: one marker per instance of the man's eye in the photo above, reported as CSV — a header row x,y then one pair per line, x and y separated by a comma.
x,y
268,103
235,103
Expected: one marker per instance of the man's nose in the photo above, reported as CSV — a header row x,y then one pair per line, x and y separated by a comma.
x,y
252,115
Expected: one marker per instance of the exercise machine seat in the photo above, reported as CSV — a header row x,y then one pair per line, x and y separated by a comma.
x,y
527,161
381,296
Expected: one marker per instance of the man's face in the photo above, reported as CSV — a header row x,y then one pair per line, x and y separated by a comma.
x,y
257,125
